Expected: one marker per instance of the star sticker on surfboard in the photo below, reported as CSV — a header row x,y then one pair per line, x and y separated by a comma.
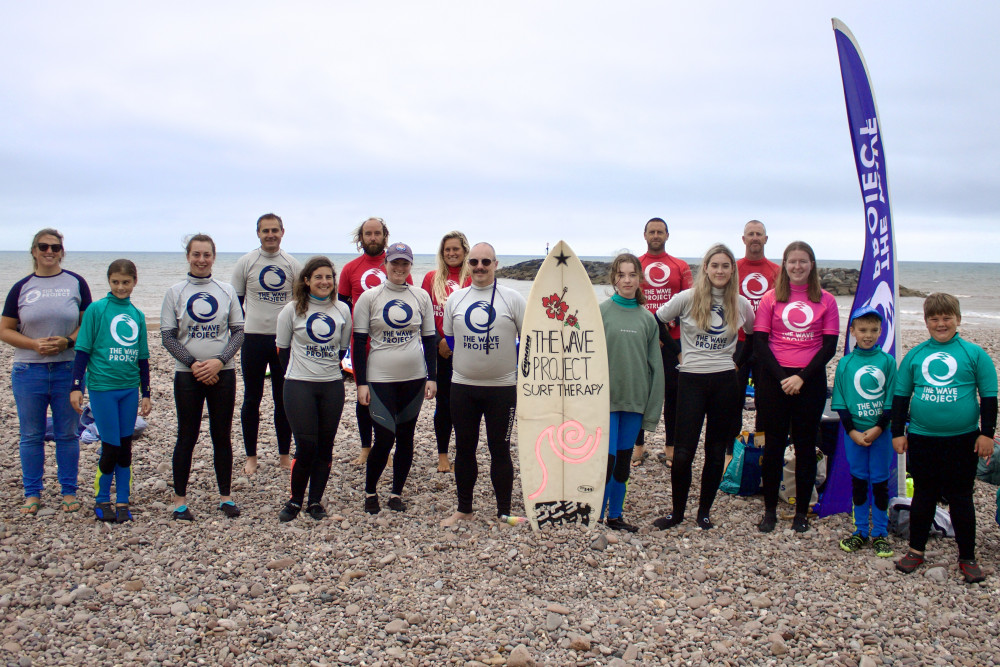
x,y
561,258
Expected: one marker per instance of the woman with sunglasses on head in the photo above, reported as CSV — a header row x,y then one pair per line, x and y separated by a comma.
x,y
797,327
708,390
201,325
41,319
396,373
313,334
452,273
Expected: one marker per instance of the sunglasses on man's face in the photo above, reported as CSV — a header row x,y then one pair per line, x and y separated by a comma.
x,y
44,247
475,262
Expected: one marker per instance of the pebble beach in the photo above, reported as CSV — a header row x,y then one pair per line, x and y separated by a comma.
x,y
397,589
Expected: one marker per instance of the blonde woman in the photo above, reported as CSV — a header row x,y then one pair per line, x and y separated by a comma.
x,y
452,273
711,314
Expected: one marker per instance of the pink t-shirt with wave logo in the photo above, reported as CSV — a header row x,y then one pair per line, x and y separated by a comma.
x,y
797,327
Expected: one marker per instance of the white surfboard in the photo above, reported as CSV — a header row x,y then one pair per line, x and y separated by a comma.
x,y
562,396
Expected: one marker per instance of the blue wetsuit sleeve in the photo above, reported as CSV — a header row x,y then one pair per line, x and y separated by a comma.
x,y
144,377
284,357
346,299
451,342
80,362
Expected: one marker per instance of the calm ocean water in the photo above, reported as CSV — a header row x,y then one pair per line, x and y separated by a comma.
x,y
975,284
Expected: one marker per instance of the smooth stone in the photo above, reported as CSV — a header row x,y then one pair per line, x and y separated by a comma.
x,y
553,621
558,609
281,564
395,626
257,590
179,609
297,588
580,643
697,601
520,657
133,585
938,574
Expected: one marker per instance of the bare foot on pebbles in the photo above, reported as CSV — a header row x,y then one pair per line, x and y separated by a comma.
x,y
444,465
456,517
250,467
362,457
285,461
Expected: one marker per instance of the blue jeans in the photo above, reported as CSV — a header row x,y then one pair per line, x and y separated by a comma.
x,y
37,387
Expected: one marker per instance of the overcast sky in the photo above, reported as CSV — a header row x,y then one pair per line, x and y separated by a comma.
x,y
129,125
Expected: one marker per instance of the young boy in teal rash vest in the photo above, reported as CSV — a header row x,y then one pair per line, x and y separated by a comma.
x,y
113,351
861,386
936,385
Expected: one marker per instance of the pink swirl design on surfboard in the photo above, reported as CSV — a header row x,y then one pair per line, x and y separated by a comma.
x,y
574,446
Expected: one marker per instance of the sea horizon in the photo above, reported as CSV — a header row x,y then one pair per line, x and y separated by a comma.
x,y
971,282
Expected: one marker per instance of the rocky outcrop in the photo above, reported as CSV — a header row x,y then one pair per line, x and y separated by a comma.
x,y
839,282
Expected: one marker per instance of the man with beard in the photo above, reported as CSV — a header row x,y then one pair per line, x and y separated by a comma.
x,y
757,275
263,280
358,276
664,277
481,325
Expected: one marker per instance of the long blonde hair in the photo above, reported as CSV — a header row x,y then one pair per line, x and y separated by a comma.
x,y
440,284
701,297
782,286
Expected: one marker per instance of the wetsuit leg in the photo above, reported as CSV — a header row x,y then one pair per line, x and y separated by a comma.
x,y
221,399
189,401
466,421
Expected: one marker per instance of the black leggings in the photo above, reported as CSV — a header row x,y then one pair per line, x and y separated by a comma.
x,y
313,410
717,397
259,352
395,407
670,375
190,397
470,405
442,408
778,413
943,466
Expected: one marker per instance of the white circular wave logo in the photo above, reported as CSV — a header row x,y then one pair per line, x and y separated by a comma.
x,y
33,296
869,382
657,274
939,379
754,286
372,278
128,337
797,316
